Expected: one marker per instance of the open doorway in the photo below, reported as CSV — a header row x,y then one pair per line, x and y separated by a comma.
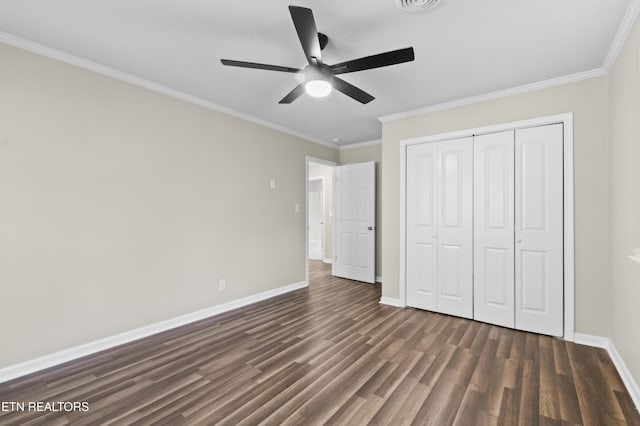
x,y
316,217
320,220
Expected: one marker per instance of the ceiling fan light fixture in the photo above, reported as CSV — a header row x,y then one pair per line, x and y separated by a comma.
x,y
318,79
318,88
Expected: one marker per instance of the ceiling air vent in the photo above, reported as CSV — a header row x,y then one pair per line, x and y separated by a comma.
x,y
417,6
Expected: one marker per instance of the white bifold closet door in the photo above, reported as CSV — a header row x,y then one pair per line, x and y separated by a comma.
x,y
518,229
539,230
494,280
440,227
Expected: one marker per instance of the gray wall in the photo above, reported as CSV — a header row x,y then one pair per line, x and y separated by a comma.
x,y
625,201
121,207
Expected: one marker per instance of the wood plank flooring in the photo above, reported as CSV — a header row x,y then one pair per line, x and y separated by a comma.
x,y
331,354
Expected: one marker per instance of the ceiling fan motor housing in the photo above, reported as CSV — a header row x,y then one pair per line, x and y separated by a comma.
x,y
321,72
323,39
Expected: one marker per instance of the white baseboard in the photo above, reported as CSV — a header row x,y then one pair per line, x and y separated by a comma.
x,y
47,361
618,362
379,279
391,302
591,340
625,374
327,260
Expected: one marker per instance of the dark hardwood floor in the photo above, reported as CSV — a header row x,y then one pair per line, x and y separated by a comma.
x,y
331,354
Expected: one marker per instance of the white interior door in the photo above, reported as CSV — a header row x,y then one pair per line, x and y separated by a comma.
x,y
455,228
316,219
355,221
494,229
539,229
422,164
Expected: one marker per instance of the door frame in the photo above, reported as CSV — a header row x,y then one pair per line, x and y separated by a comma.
x,y
568,237
309,159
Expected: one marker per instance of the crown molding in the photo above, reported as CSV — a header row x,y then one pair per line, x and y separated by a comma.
x,y
624,29
628,21
49,52
361,144
545,84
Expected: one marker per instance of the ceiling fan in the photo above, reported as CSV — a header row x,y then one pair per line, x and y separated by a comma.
x,y
319,78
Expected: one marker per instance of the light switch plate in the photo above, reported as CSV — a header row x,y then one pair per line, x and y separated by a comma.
x,y
272,183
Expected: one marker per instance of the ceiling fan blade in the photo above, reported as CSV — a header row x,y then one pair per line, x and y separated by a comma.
x,y
255,65
307,32
375,61
352,91
293,95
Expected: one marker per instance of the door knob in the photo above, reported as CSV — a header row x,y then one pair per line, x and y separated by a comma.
x,y
370,228
519,241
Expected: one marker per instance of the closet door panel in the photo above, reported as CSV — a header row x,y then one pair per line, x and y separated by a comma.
x,y
421,226
539,230
494,229
455,228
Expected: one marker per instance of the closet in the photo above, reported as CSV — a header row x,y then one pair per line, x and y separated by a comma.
x,y
484,228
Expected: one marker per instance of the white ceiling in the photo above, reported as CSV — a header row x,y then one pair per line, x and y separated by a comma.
x,y
463,48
